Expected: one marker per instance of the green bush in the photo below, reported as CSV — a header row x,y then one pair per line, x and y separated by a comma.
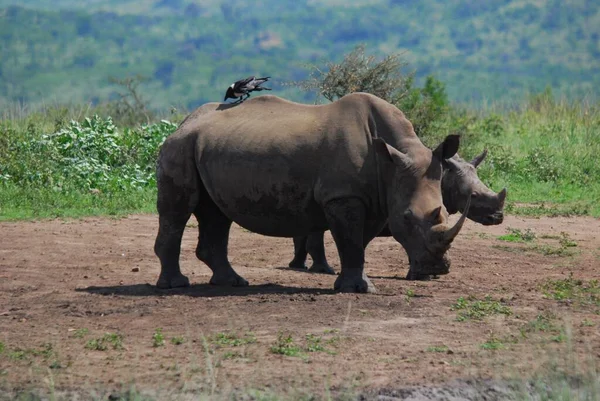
x,y
91,155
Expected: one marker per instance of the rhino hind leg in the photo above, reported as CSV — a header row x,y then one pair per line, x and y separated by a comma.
x,y
300,253
315,245
212,243
173,204
346,219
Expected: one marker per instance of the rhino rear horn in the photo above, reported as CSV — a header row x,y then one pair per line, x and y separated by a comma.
x,y
478,159
450,234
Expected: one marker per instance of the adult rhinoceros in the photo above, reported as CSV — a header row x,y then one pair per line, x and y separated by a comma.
x,y
460,184
284,169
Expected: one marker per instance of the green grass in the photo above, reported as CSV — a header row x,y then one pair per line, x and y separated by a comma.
x,y
158,338
438,348
493,344
80,333
178,340
516,235
544,151
232,339
103,343
471,308
572,290
285,345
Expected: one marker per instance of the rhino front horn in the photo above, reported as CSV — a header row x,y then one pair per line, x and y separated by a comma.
x,y
453,232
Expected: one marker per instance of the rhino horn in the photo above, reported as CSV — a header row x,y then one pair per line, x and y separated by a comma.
x,y
478,159
502,196
450,234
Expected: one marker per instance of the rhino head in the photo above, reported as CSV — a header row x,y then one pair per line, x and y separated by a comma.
x,y
461,184
417,217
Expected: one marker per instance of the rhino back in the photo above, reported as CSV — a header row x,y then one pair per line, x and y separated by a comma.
x,y
270,164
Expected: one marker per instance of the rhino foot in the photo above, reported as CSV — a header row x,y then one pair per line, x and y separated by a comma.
x,y
417,276
178,281
230,279
353,283
297,265
321,268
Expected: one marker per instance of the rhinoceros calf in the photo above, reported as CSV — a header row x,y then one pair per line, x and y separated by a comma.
x,y
460,183
285,169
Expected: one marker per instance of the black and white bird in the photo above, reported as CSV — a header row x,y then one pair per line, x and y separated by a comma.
x,y
244,86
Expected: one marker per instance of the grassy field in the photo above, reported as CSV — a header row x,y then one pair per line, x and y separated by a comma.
x,y
76,161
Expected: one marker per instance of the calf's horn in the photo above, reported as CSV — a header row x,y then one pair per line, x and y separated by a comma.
x,y
502,196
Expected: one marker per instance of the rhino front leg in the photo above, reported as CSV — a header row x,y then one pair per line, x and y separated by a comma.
x,y
300,253
315,246
212,244
346,219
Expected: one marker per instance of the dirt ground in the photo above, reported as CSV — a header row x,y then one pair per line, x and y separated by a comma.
x,y
64,284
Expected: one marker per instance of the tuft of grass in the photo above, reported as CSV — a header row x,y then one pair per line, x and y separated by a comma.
x,y
573,290
285,345
587,323
233,340
471,308
410,294
102,344
17,355
80,333
493,344
158,338
516,235
177,340
438,348
2,347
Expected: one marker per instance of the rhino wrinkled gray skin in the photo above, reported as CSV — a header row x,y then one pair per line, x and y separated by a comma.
x,y
285,169
460,183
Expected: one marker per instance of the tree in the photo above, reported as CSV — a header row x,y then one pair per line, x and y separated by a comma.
x,y
359,73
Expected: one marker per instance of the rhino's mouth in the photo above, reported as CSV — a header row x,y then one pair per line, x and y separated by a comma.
x,y
486,217
426,268
492,219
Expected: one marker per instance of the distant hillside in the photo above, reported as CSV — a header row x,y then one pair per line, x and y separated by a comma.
x,y
65,50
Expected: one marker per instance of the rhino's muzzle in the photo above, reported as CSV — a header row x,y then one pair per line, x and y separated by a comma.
x,y
424,269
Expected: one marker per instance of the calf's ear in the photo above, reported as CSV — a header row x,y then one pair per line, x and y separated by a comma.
x,y
448,148
390,153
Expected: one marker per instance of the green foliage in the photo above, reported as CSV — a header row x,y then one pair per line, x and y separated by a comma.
x,y
109,339
92,155
233,340
285,346
177,340
516,235
385,78
158,338
482,52
544,323
358,72
472,308
438,348
80,333
573,290
493,344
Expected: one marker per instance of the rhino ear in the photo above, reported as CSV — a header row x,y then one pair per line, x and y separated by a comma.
x,y
390,153
478,159
448,148
382,149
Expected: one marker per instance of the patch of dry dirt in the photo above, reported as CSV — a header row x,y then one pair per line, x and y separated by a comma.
x,y
57,277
